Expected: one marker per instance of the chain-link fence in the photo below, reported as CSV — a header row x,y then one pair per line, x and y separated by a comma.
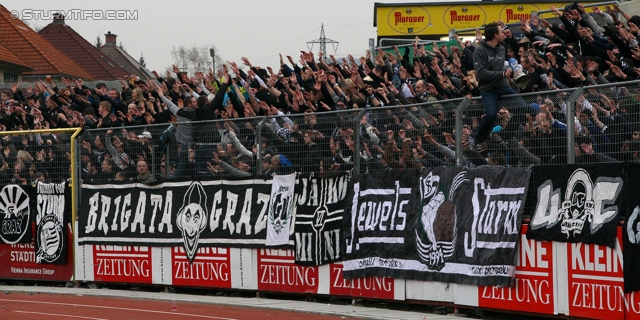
x,y
31,156
108,155
316,143
530,129
590,8
608,124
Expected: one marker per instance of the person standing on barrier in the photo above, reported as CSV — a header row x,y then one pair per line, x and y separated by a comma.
x,y
493,79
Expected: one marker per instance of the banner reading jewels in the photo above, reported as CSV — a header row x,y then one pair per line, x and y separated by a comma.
x,y
445,224
227,213
577,203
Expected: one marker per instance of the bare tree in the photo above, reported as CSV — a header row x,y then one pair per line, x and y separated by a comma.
x,y
195,58
98,42
35,28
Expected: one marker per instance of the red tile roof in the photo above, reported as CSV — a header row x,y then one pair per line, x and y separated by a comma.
x,y
81,51
7,56
41,55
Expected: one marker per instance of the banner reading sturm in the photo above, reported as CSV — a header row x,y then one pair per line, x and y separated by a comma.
x,y
228,213
577,203
51,222
446,224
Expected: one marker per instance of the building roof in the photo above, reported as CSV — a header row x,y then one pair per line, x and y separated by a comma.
x,y
123,59
8,57
35,50
67,40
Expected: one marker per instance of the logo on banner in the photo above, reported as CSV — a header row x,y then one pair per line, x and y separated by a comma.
x,y
584,202
14,213
319,214
192,218
50,242
281,209
436,234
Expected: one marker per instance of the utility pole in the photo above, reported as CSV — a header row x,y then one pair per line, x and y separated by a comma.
x,y
212,53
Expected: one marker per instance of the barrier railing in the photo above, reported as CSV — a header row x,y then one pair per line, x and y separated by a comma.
x,y
533,129
551,18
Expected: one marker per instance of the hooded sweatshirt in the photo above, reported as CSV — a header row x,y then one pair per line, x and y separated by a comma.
x,y
489,65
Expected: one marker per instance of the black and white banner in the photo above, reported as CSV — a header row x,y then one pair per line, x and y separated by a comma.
x,y
444,224
320,208
15,214
51,222
281,210
631,231
227,213
577,203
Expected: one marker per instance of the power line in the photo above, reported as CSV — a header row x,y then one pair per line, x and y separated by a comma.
x,y
351,24
285,49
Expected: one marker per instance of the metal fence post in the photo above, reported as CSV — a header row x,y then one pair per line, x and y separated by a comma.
x,y
356,141
259,144
167,161
571,135
458,125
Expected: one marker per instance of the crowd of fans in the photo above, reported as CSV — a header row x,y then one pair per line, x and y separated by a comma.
x,y
212,119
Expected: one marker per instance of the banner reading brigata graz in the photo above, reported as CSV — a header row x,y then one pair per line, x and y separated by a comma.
x,y
577,203
445,224
226,213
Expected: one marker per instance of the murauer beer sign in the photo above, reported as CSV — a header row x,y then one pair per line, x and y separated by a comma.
x,y
409,20
462,17
513,13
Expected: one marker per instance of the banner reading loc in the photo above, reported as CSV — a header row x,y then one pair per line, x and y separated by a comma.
x,y
446,224
577,203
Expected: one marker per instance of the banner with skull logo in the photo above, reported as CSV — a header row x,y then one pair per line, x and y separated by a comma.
x,y
577,203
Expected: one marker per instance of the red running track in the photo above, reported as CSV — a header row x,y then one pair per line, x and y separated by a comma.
x,y
24,306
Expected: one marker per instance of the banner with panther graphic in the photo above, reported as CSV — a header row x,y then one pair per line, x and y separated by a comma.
x,y
15,214
577,203
52,211
444,224
281,210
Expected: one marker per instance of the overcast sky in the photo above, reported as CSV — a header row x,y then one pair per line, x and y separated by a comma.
x,y
257,29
